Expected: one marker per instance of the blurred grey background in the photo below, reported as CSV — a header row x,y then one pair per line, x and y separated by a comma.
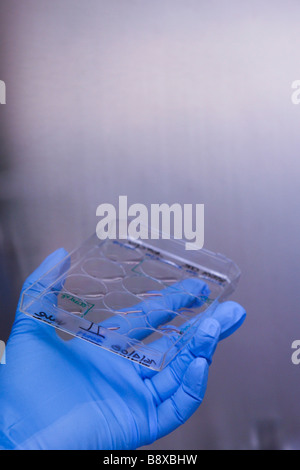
x,y
166,101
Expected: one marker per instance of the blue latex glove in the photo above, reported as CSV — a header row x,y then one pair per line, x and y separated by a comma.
x,y
57,394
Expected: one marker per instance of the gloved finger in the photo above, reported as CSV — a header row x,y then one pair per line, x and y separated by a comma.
x,y
230,316
47,265
138,321
203,344
52,269
184,402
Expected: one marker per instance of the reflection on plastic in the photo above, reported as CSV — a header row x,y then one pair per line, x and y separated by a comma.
x,y
2,353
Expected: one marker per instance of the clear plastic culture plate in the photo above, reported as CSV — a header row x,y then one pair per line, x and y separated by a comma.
x,y
140,299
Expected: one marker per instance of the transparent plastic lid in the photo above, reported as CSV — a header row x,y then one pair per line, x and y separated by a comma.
x,y
140,299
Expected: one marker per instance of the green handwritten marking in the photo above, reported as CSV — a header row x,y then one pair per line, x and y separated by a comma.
x,y
90,307
206,300
137,266
78,301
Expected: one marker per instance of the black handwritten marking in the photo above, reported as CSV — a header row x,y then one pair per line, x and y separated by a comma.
x,y
133,355
213,277
192,269
91,329
125,245
145,248
44,315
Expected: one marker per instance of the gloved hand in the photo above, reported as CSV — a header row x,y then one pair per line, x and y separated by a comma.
x,y
57,394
